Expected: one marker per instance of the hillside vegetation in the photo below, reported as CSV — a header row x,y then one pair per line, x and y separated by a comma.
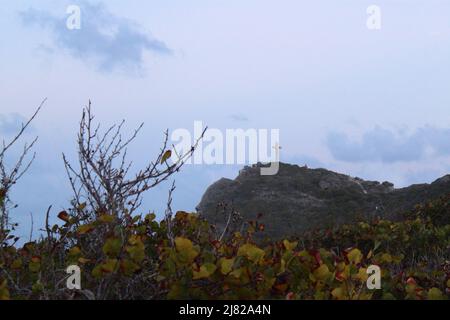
x,y
184,259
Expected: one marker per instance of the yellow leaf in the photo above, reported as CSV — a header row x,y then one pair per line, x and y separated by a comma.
x,y
186,249
252,252
85,228
4,293
339,293
342,271
82,206
205,271
386,257
435,294
74,251
135,240
226,265
365,296
17,264
236,273
354,256
109,266
106,218
136,253
150,217
183,244
83,260
322,272
166,156
388,296
282,266
361,275
290,245
97,271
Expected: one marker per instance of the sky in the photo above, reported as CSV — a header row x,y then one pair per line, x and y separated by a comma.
x,y
364,102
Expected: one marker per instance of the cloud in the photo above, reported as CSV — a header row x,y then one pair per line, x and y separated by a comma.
x,y
391,146
109,42
11,123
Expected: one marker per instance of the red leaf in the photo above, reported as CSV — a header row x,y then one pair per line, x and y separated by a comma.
x,y
64,216
316,255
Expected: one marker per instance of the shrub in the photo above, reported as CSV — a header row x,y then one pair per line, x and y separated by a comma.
x,y
140,261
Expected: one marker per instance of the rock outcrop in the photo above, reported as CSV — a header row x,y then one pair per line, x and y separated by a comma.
x,y
299,199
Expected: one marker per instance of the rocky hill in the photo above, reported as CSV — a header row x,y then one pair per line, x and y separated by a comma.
x,y
299,199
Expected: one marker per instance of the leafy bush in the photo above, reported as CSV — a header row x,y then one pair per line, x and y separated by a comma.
x,y
139,260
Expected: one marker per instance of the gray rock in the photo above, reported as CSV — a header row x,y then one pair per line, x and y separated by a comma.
x,y
299,199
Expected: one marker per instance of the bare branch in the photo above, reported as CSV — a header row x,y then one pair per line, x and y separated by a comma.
x,y
102,179
9,177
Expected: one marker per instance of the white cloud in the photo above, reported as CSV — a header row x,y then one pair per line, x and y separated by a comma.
x,y
109,42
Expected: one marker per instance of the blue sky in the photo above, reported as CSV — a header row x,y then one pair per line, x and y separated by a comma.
x,y
368,103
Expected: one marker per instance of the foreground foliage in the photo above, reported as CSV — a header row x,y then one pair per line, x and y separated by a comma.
x,y
122,255
182,258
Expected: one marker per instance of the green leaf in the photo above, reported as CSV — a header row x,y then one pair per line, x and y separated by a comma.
x,y
35,264
112,247
128,267
137,253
